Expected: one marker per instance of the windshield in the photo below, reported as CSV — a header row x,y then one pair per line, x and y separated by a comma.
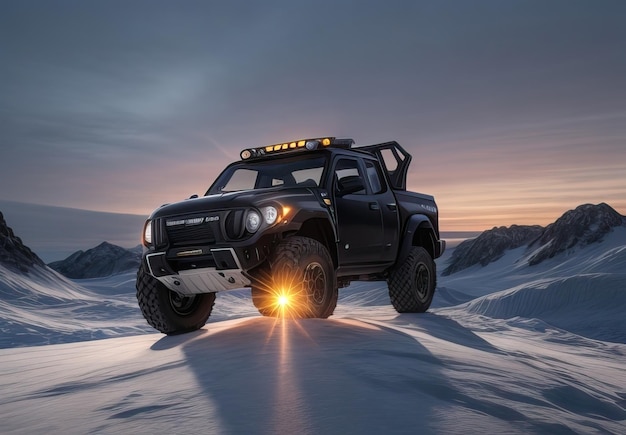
x,y
263,174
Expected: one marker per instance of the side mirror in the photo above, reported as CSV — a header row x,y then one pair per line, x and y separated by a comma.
x,y
194,196
348,185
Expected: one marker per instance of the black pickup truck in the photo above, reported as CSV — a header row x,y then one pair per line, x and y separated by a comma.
x,y
294,222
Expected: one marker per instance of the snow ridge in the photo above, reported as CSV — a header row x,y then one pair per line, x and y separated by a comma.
x,y
43,307
580,304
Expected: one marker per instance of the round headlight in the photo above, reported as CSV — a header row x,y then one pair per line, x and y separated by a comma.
x,y
270,214
253,221
147,233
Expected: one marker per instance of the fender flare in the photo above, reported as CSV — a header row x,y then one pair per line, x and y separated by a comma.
x,y
330,236
414,223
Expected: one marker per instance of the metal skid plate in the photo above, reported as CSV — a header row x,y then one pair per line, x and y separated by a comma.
x,y
206,280
228,276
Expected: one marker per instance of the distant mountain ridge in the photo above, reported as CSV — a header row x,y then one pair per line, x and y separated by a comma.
x,y
584,225
104,260
491,245
55,233
13,253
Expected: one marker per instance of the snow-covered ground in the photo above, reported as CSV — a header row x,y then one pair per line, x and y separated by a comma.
x,y
506,348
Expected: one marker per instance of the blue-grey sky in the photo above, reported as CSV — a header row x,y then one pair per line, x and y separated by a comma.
x,y
514,111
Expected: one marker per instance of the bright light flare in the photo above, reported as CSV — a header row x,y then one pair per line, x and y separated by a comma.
x,y
283,216
285,296
283,300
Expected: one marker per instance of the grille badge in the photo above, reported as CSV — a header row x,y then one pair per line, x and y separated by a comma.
x,y
191,221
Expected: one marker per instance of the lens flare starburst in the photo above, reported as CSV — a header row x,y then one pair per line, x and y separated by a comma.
x,y
283,300
282,294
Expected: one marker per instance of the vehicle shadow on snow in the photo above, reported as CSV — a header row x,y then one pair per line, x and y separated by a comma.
x,y
268,375
314,376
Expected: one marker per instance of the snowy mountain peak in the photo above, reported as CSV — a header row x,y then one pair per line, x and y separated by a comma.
x,y
13,253
490,246
584,225
103,260
576,228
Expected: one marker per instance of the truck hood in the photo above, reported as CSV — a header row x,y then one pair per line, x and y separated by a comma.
x,y
231,200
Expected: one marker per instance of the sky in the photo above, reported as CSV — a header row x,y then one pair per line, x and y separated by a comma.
x,y
514,111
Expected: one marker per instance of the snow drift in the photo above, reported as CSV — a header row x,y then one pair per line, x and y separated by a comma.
x,y
43,307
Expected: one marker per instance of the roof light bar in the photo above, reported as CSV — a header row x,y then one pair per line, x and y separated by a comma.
x,y
303,144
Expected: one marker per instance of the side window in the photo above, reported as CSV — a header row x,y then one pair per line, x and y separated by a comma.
x,y
390,160
375,177
348,177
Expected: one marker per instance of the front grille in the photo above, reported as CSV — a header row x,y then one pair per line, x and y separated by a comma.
x,y
199,229
180,234
158,232
235,226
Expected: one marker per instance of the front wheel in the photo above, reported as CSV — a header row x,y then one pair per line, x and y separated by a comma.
x,y
169,311
412,283
301,281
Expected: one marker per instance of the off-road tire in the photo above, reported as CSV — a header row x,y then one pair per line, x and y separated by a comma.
x,y
412,283
263,301
307,267
168,311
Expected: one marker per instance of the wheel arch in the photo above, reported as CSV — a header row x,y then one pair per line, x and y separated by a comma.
x,y
418,231
321,230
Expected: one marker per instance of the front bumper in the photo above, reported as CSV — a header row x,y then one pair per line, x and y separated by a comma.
x,y
200,280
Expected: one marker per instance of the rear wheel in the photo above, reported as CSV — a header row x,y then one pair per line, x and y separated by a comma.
x,y
301,281
169,311
412,283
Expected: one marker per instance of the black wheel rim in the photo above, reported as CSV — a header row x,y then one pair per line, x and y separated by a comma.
x,y
422,282
314,283
182,305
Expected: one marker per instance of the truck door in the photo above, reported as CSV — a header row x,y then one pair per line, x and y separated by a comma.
x,y
386,200
359,219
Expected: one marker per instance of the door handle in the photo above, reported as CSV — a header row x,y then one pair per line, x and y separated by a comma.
x,y
392,206
374,206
